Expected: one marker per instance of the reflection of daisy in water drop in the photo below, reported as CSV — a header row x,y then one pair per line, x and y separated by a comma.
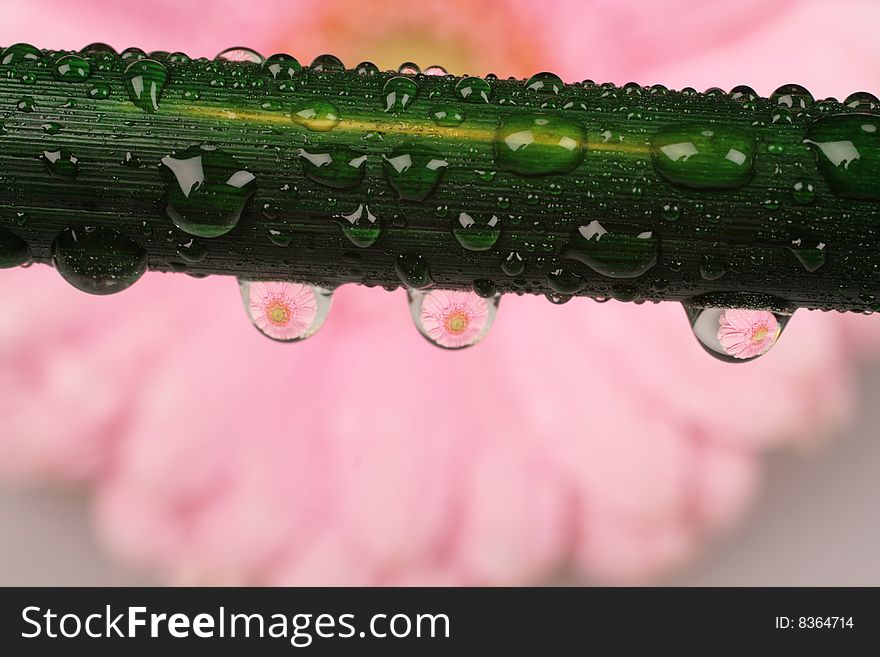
x,y
454,319
283,311
747,333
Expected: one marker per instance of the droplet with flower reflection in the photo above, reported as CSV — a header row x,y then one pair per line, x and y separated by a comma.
x,y
452,319
283,311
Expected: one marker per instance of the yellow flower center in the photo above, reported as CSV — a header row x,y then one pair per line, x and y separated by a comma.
x,y
278,313
759,334
456,321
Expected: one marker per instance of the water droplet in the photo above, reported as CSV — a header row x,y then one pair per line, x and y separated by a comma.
x,y
14,251
409,68
613,254
282,67
366,68
513,264
280,238
361,227
810,253
452,319
179,58
72,68
191,250
285,312
847,148
545,83
240,55
565,281
743,93
98,260
61,163
793,96
207,190
51,128
670,211
336,167
539,144
436,70
98,48
803,192
413,171
26,104
100,91
326,63
132,54
399,92
131,160
145,80
736,334
316,115
862,100
484,288
712,268
473,90
447,117
704,158
478,234
413,270
20,53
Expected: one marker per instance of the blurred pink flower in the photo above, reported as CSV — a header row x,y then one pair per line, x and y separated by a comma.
x,y
600,440
747,333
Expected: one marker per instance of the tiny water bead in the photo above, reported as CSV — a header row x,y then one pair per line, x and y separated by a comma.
x,y
316,115
61,163
613,254
361,227
545,83
72,68
413,171
240,55
98,260
452,319
399,92
14,251
803,192
792,96
207,190
20,53
473,90
704,158
847,148
513,264
286,312
336,167
327,63
145,81
99,91
282,67
539,144
192,251
413,270
476,234
736,335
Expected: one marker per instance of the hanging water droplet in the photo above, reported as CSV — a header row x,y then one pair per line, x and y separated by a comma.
x,y
207,190
72,68
539,144
409,68
282,67
447,117
399,92
712,268
847,148
192,250
513,264
565,281
336,167
736,334
703,157
285,312
14,251
19,53
478,234
545,83
473,90
240,55
413,171
316,115
792,96
145,80
98,260
327,63
452,319
413,270
361,227
61,163
484,288
613,254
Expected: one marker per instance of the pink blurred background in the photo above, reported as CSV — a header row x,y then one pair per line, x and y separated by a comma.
x,y
576,443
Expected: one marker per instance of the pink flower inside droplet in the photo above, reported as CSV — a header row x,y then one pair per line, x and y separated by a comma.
x,y
454,319
283,311
747,333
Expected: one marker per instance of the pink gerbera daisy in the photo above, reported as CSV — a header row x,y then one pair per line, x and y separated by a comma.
x,y
283,311
747,333
454,319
